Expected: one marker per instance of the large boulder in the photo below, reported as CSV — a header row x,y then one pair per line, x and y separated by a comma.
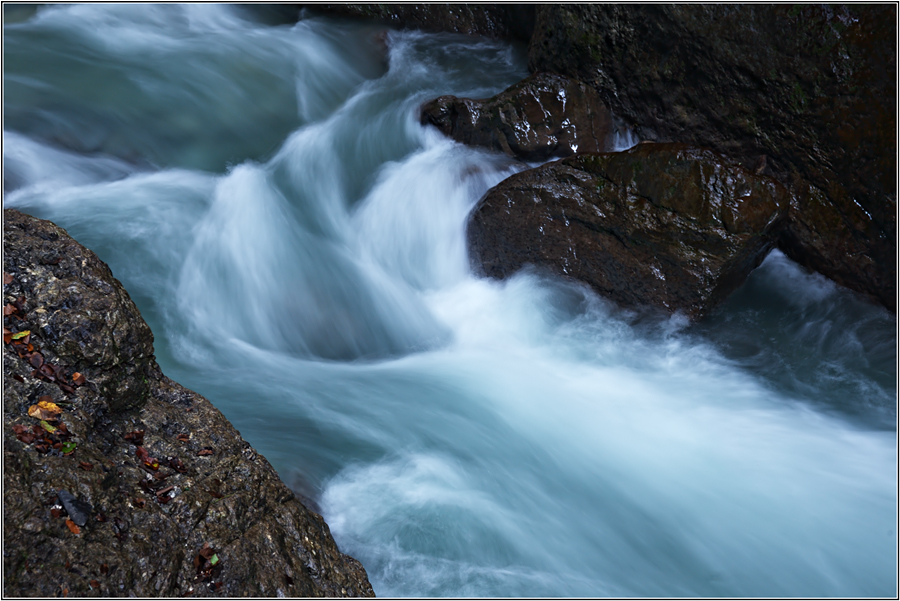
x,y
665,225
806,93
543,116
117,481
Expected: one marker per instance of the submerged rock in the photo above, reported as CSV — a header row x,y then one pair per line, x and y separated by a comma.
x,y
140,487
666,225
543,116
805,92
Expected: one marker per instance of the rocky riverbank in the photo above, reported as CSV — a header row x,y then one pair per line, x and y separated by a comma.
x,y
117,480
805,94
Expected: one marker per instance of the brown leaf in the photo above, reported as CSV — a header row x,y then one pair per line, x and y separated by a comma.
x,y
104,569
19,378
142,453
7,279
101,517
55,512
73,527
205,452
184,437
139,502
42,448
85,465
176,464
214,494
135,437
94,584
78,379
36,360
8,309
66,388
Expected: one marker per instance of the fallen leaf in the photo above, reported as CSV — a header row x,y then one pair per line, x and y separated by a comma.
x,y
66,388
101,517
47,427
65,591
19,378
94,584
21,335
7,279
139,502
135,437
36,359
104,569
184,437
42,448
205,452
45,409
86,466
142,453
176,464
78,378
73,527
68,448
55,512
8,309
214,560
7,337
288,580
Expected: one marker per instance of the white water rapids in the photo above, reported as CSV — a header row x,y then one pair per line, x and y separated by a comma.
x,y
296,241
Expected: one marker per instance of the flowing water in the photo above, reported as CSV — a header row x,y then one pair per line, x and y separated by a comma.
x,y
296,241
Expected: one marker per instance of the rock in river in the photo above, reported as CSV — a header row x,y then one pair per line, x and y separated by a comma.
x,y
125,483
542,116
666,225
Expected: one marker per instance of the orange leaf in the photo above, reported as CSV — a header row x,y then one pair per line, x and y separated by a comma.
x,y
78,379
73,527
44,410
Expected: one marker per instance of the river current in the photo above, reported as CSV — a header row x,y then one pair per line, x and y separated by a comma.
x,y
296,241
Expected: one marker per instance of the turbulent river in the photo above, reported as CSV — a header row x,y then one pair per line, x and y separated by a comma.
x,y
296,241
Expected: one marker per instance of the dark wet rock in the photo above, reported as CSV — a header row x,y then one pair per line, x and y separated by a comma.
x,y
665,225
543,116
812,88
79,511
497,21
146,509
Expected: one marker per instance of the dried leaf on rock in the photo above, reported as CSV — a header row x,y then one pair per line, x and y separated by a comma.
x,y
78,379
8,309
21,335
45,409
184,437
7,279
205,452
85,465
135,437
36,359
104,569
68,448
73,527
139,502
55,512
47,427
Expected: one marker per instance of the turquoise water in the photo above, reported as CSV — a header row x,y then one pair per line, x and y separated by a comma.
x,y
296,241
